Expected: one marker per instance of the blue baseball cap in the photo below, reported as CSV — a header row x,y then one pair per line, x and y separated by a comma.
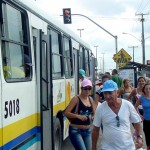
x,y
109,86
82,72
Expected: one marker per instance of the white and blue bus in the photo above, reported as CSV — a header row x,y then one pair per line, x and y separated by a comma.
x,y
39,63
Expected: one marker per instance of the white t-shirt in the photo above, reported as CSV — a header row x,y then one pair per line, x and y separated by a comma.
x,y
113,137
99,104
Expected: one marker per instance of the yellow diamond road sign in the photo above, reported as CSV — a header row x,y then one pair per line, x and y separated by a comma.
x,y
122,58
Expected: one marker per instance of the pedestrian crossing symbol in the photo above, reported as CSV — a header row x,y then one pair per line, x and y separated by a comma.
x,y
122,58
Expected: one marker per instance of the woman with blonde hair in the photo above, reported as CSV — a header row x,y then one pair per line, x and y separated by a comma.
x,y
137,92
126,89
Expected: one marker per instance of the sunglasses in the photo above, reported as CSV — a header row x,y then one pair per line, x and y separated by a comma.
x,y
118,121
87,88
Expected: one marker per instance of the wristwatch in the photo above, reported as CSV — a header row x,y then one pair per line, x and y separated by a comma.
x,y
140,136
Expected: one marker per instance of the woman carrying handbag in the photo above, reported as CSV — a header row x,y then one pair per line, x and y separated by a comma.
x,y
80,112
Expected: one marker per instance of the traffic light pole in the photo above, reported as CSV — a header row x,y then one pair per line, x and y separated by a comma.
x,y
102,29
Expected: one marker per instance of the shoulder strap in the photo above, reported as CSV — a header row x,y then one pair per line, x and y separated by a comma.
x,y
77,105
91,105
90,100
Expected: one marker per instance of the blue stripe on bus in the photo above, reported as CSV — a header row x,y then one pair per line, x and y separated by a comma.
x,y
15,142
31,142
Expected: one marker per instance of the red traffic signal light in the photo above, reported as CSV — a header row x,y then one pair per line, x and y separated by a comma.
x,y
67,15
66,12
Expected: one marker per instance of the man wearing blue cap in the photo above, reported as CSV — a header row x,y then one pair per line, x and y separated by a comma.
x,y
116,116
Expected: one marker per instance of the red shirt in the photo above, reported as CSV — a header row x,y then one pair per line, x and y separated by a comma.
x,y
99,83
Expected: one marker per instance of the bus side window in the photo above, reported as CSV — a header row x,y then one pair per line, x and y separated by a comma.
x,y
87,63
57,70
13,67
68,58
81,64
14,44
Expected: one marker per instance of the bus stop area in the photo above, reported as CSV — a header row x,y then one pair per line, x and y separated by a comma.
x,y
133,70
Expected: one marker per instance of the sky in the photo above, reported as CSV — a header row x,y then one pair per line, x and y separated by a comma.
x,y
115,16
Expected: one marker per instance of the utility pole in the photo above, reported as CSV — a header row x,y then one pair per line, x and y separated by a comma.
x,y
133,50
96,59
103,62
80,31
143,40
100,67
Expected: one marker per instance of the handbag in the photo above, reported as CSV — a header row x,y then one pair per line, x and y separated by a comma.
x,y
75,110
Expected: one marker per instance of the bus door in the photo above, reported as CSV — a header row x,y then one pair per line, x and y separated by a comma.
x,y
0,84
1,136
44,86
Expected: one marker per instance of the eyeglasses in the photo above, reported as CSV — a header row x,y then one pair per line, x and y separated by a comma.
x,y
87,88
118,121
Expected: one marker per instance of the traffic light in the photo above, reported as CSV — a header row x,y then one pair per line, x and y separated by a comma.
x,y
67,15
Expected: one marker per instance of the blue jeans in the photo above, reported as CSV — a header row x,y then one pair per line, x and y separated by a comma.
x,y
80,138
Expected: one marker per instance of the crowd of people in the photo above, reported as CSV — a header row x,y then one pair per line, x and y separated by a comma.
x,y
117,106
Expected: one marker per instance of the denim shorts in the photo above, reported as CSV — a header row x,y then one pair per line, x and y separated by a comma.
x,y
80,138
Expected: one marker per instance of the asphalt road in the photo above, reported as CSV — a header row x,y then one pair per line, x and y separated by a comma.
x,y
67,145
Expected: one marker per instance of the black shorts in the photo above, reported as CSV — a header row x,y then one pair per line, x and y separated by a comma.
x,y
146,126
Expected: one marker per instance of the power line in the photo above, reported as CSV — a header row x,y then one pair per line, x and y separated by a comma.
x,y
146,5
140,4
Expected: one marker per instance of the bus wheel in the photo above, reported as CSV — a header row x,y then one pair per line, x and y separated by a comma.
x,y
57,135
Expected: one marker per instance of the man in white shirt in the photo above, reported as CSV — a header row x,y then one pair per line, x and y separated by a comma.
x,y
116,116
